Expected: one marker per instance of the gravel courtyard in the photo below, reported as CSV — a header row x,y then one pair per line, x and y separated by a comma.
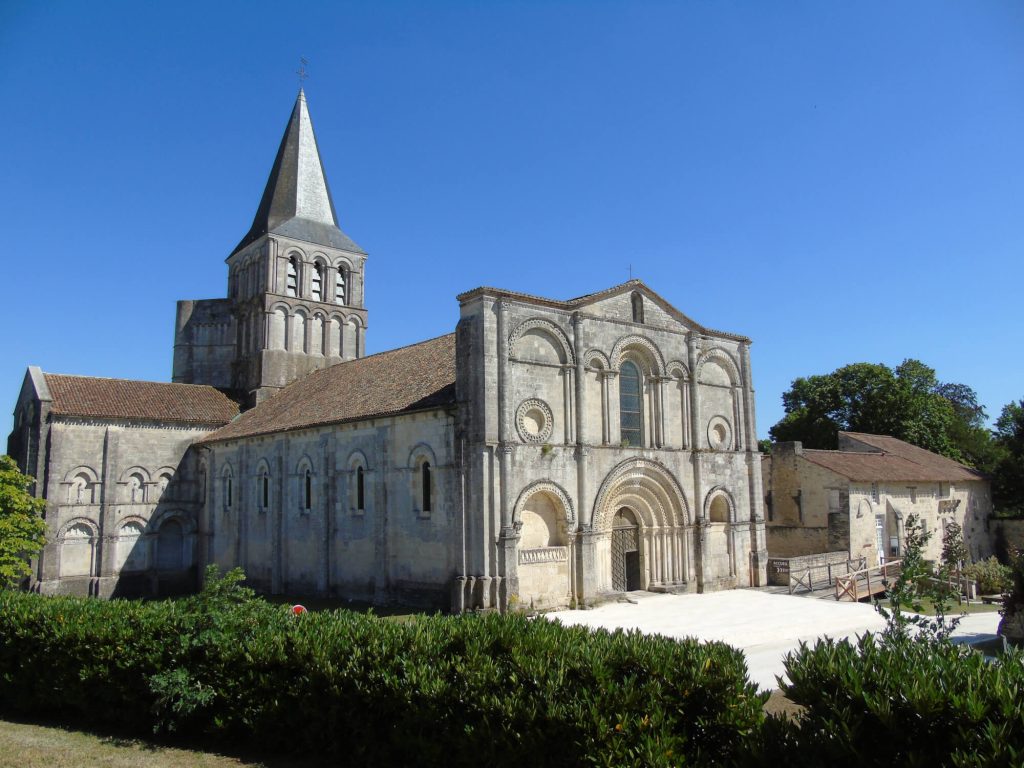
x,y
764,626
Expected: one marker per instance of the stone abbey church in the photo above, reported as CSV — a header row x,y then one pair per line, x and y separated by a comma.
x,y
547,453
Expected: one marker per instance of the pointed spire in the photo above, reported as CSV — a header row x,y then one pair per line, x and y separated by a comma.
x,y
297,201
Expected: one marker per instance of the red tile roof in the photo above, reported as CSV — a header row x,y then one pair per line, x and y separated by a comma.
x,y
92,397
890,459
406,379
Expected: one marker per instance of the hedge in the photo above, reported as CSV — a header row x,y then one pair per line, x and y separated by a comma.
x,y
470,690
900,702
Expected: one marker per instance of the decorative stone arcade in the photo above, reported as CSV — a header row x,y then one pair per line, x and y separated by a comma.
x,y
642,533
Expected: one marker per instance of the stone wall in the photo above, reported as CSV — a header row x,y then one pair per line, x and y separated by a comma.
x,y
395,549
795,540
935,504
122,501
539,388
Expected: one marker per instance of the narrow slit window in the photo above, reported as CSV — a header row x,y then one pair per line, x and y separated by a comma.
x,y
318,282
630,405
339,287
307,495
228,500
360,489
266,489
427,487
292,283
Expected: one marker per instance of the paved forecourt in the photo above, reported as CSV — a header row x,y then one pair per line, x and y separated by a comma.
x,y
764,626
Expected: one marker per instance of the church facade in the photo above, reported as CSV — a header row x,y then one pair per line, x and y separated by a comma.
x,y
547,453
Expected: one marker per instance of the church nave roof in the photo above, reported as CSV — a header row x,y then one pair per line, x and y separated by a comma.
x,y
410,378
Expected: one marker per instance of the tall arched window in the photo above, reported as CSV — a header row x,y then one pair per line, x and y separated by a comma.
x,y
228,491
631,417
339,286
307,490
427,487
291,287
360,488
265,489
318,282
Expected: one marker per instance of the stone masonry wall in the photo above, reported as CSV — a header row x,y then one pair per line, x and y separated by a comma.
x,y
122,500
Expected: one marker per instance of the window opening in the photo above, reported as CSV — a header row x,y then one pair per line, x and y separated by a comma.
x,y
339,287
638,308
292,283
425,470
630,413
360,488
318,281
307,500
266,489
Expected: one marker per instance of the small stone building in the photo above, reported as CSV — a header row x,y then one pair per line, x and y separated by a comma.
x,y
547,453
857,499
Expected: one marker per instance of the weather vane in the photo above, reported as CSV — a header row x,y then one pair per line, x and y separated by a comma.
x,y
301,71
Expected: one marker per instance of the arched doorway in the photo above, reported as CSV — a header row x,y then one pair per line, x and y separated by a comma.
x,y
640,501
625,551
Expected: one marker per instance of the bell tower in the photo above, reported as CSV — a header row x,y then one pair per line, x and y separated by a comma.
x,y
295,286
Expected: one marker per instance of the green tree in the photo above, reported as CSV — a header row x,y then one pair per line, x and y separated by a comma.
x,y
1008,474
22,530
919,585
908,402
954,551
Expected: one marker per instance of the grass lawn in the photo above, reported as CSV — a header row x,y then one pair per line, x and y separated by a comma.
x,y
31,745
955,609
35,745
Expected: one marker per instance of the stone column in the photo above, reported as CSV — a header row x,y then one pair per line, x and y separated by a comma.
x,y
758,543
586,580
104,551
508,582
695,458
276,537
567,415
606,426
328,498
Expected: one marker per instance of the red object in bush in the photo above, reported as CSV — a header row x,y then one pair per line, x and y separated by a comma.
x,y
298,610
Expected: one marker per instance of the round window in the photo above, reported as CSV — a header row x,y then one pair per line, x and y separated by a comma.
x,y
719,434
534,421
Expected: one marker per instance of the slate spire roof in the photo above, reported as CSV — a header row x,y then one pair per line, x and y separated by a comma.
x,y
297,201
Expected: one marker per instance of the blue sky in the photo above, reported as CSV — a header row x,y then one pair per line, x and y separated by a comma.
x,y
841,182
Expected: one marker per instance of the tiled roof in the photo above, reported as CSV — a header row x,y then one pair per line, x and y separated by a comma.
x,y
92,397
406,379
892,460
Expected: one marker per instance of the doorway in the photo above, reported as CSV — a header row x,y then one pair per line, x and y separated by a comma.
x,y
625,552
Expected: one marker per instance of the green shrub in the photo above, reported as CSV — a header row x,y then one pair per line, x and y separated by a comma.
x,y
900,701
993,577
471,690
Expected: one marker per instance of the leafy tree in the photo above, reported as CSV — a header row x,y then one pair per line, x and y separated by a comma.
x,y
1008,474
22,530
919,583
954,551
908,402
